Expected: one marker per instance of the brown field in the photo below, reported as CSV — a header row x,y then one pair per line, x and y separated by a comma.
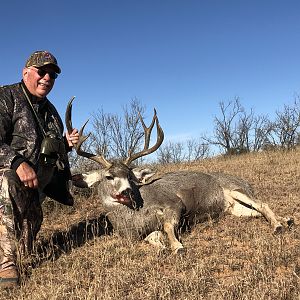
x,y
234,258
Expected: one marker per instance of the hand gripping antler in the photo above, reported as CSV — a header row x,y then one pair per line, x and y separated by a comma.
x,y
160,137
68,119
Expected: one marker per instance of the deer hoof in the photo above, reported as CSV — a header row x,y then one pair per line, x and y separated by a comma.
x,y
180,251
278,229
290,222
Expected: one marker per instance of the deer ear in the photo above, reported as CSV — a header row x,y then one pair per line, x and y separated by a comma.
x,y
143,175
87,179
78,181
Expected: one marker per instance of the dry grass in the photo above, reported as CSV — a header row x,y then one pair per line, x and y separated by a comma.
x,y
234,258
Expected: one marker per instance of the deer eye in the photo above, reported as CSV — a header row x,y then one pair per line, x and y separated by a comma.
x,y
108,177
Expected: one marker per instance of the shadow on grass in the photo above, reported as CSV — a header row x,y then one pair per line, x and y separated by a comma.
x,y
62,242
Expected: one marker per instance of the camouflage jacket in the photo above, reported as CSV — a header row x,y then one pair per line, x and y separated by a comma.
x,y
20,134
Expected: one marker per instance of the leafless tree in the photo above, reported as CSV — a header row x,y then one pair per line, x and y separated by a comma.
x,y
241,135
252,131
287,125
126,132
227,129
197,149
176,152
113,135
171,152
262,131
101,138
237,131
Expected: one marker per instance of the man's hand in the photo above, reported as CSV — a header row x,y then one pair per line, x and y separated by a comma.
x,y
27,175
73,137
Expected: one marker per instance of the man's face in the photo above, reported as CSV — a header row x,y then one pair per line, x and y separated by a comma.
x,y
39,81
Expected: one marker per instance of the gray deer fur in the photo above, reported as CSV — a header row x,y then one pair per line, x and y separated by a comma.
x,y
139,205
146,210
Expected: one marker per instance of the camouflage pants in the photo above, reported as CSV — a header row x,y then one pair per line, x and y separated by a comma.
x,y
20,217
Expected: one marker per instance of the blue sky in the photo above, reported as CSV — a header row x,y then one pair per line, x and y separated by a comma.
x,y
181,57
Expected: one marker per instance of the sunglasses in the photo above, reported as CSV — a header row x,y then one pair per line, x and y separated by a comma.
x,y
43,72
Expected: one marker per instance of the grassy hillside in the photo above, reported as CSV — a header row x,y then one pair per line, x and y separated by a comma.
x,y
234,258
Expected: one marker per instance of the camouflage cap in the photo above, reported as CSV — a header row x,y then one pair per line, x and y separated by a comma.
x,y
42,58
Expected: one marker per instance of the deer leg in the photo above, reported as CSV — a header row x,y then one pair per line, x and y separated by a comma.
x,y
260,207
169,229
238,209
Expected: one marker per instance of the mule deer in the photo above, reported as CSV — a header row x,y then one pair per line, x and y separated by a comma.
x,y
140,205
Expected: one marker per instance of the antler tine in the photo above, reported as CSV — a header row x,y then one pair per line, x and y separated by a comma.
x,y
146,151
82,138
97,158
68,119
148,130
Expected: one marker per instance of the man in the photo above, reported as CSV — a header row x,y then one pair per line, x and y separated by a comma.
x,y
33,152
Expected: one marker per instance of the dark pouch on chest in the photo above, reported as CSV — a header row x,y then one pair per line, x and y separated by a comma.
x,y
52,162
58,187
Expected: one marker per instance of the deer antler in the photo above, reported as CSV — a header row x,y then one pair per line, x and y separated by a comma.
x,y
160,137
68,119
68,115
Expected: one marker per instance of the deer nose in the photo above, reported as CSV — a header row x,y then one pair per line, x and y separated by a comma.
x,y
127,192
